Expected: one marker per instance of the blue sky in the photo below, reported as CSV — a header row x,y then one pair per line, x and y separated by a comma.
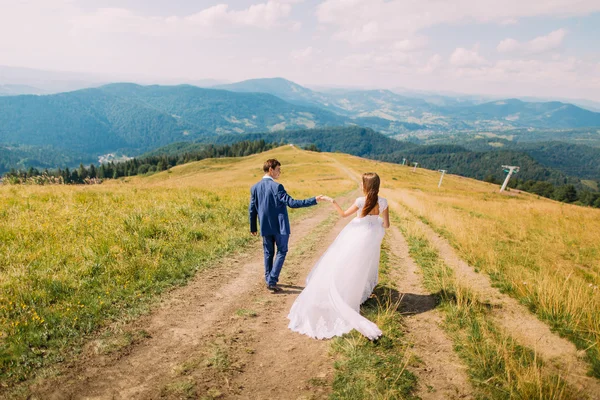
x,y
508,48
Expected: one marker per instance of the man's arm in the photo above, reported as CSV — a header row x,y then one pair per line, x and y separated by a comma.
x,y
253,212
290,202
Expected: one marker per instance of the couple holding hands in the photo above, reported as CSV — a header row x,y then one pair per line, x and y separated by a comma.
x,y
345,275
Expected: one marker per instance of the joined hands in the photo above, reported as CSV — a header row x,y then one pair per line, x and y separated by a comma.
x,y
322,197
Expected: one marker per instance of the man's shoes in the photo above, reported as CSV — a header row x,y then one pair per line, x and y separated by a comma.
x,y
274,288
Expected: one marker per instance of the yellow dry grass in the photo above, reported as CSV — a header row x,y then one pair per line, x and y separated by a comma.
x,y
545,253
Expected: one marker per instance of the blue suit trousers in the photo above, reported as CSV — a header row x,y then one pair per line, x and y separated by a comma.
x,y
273,267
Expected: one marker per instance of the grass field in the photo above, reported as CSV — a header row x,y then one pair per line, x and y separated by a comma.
x,y
74,258
542,252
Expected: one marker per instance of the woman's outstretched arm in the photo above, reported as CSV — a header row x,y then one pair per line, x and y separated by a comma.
x,y
350,211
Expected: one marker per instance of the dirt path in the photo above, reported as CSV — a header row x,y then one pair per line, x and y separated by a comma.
x,y
559,354
287,365
188,319
441,373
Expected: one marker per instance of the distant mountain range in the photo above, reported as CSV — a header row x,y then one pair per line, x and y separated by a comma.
x,y
390,112
130,119
15,90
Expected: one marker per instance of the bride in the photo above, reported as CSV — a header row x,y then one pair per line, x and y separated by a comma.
x,y
346,273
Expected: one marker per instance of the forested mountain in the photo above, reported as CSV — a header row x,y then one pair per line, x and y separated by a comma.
x,y
282,88
41,157
484,165
515,112
456,159
133,119
572,159
438,113
354,140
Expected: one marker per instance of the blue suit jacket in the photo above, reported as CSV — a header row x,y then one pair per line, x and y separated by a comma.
x,y
269,202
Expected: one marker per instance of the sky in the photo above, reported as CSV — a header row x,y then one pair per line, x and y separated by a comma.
x,y
548,48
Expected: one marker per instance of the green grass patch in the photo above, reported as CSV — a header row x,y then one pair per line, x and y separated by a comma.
x,y
180,389
242,312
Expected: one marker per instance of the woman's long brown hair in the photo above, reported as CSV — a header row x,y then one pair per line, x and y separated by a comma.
x,y
371,189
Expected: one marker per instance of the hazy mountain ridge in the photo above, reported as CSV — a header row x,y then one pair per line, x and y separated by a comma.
x,y
139,118
435,112
132,119
16,90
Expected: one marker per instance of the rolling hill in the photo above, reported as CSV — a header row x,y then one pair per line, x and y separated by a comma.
x,y
486,164
133,119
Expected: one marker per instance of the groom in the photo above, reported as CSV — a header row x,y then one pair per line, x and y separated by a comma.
x,y
269,202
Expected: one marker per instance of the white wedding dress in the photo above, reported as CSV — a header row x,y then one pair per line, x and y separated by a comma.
x,y
341,281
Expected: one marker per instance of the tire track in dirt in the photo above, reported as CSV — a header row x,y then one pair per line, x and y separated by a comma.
x,y
560,354
441,374
176,328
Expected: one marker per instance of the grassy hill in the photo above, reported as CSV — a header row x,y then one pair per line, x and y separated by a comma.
x,y
481,164
76,258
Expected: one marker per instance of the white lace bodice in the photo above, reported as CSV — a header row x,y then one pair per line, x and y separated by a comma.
x,y
360,203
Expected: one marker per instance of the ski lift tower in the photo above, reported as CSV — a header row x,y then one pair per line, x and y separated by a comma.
x,y
415,164
510,169
443,171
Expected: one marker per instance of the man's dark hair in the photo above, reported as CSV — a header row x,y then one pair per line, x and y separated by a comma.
x,y
271,163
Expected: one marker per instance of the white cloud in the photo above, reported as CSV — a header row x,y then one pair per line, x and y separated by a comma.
x,y
549,42
539,44
432,64
412,44
462,57
264,15
384,61
533,77
302,54
209,22
361,21
508,45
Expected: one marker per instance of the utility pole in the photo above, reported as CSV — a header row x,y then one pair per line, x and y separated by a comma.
x,y
443,171
404,161
510,169
415,164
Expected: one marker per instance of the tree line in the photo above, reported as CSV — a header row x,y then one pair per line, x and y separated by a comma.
x,y
134,166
